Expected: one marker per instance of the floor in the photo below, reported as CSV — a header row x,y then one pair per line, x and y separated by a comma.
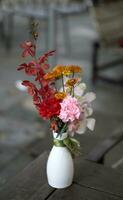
x,y
21,130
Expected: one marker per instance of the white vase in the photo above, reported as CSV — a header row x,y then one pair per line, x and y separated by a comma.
x,y
60,167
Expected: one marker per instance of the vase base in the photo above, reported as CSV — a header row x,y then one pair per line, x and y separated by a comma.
x,y
60,186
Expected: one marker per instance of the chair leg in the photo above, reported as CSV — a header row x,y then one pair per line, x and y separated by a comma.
x,y
2,32
95,52
46,35
9,31
52,33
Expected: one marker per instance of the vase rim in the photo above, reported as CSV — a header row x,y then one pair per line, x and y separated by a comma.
x,y
61,136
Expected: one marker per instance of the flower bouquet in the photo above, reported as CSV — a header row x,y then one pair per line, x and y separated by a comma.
x,y
59,96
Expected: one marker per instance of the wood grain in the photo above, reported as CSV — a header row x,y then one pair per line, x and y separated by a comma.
x,y
76,192
92,182
102,148
98,177
28,182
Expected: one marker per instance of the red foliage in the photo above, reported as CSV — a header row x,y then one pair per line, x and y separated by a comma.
x,y
43,98
29,68
49,108
54,125
29,49
47,92
32,90
44,58
36,100
39,75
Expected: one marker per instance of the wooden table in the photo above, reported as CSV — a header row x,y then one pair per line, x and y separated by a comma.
x,y
91,182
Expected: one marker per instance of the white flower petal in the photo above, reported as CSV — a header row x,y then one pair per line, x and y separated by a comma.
x,y
91,123
89,97
89,111
66,78
82,127
79,89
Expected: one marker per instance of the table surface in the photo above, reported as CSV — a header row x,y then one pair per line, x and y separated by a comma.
x,y
91,182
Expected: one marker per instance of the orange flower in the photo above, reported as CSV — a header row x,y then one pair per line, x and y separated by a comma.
x,y
60,95
51,75
62,70
58,69
71,82
55,73
67,70
74,68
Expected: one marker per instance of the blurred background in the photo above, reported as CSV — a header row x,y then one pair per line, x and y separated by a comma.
x,y
88,33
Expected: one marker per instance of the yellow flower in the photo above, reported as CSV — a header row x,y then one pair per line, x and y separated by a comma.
x,y
71,82
60,95
66,71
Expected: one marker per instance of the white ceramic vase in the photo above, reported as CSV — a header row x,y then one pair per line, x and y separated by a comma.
x,y
60,167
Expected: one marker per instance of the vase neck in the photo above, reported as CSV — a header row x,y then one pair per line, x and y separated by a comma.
x,y
60,136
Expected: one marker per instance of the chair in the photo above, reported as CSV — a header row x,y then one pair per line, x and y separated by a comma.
x,y
108,18
29,9
46,10
64,12
2,33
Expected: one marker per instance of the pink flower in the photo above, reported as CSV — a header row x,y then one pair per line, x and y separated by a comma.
x,y
70,109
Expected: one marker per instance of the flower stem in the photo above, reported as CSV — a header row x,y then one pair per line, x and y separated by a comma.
x,y
73,91
35,52
73,85
73,75
62,77
55,86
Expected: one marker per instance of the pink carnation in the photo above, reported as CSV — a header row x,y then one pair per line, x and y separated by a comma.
x,y
70,109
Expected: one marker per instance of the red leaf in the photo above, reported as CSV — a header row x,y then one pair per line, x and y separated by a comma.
x,y
29,49
29,68
36,100
44,58
45,66
32,90
22,66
